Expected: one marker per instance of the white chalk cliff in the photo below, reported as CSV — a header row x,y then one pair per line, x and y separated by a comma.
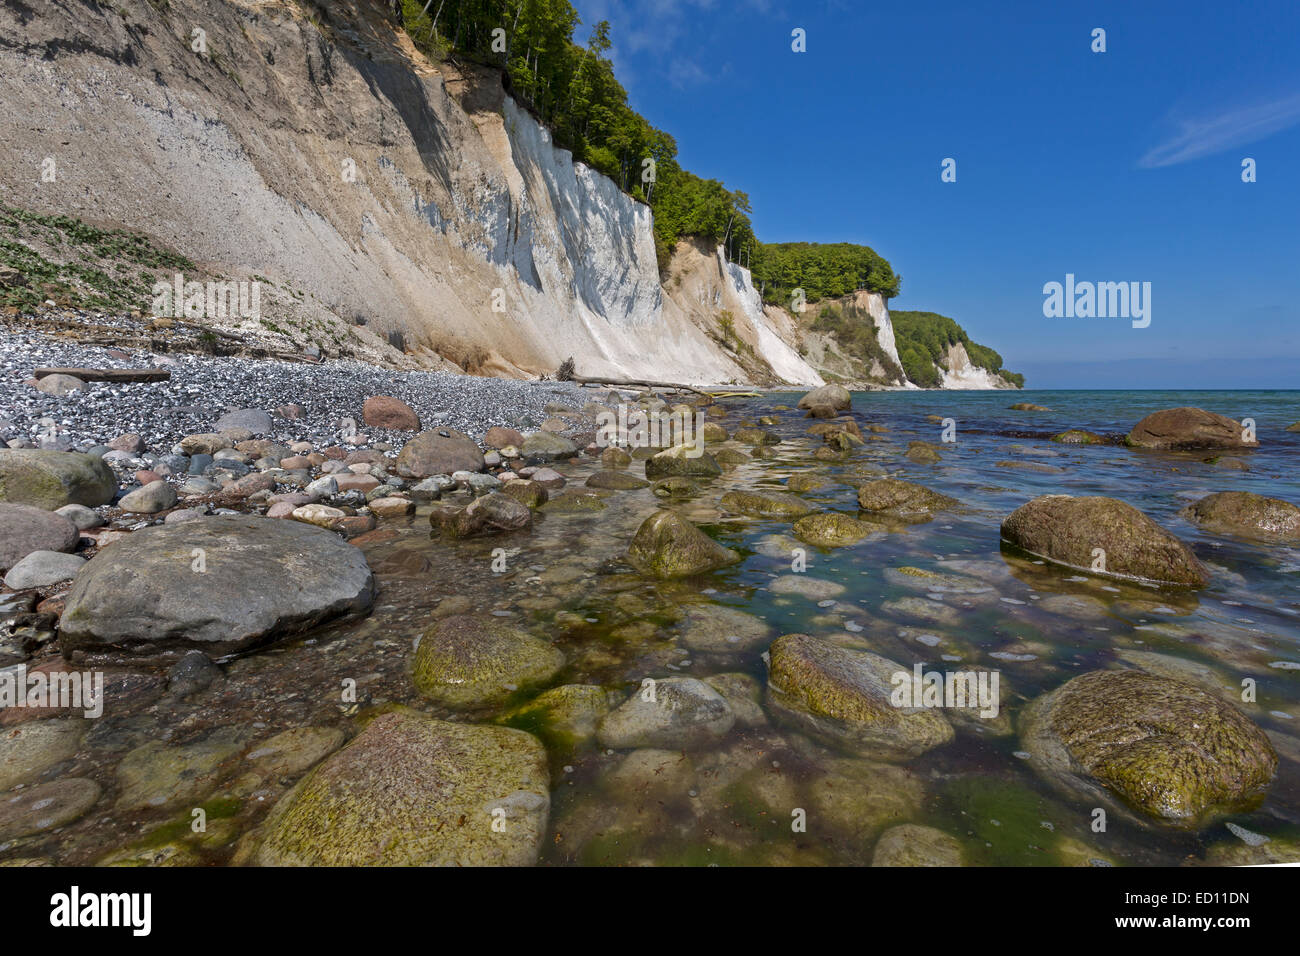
x,y
384,197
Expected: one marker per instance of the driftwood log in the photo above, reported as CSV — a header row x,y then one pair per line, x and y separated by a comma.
x,y
108,374
628,383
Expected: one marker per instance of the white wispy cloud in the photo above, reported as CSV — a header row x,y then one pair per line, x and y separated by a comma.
x,y
1215,132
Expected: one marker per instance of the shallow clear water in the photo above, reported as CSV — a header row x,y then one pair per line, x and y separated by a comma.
x,y
735,803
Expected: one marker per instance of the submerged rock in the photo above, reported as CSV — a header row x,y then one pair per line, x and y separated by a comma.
x,y
668,546
1103,536
466,661
831,529
219,584
414,791
1249,515
902,499
28,750
914,845
767,504
616,481
718,628
52,479
676,712
678,487
563,716
681,461
1188,429
844,695
1079,436
923,453
1166,748
46,806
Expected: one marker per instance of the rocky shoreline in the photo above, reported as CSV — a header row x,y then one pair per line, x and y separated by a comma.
x,y
192,564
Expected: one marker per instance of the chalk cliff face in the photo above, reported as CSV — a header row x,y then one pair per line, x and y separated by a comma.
x,y
312,146
960,373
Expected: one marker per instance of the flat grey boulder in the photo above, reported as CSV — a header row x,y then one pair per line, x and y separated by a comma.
x,y
43,568
24,529
149,500
220,584
51,479
836,397
246,419
547,446
679,713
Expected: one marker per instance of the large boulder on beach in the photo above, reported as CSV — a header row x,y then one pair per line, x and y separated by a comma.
x,y
385,411
1103,536
1188,429
668,546
219,584
439,452
1168,749
24,529
52,479
1248,515
414,791
468,661
902,499
835,397
682,461
844,696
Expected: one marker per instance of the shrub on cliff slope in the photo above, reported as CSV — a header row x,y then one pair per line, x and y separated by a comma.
x,y
923,340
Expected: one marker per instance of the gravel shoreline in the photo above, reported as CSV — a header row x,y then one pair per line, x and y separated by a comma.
x,y
203,387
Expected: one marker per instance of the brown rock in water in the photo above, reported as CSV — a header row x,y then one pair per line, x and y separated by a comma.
x,y
385,411
1070,531
1188,429
902,499
1249,515
668,546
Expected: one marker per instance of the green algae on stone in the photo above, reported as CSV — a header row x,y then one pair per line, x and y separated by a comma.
x,y
465,661
293,751
563,717
767,504
923,453
831,529
574,502
682,461
756,436
732,457
616,481
1164,747
902,499
157,775
1079,436
51,479
913,845
668,546
846,696
806,481
532,494
1102,536
676,488
414,791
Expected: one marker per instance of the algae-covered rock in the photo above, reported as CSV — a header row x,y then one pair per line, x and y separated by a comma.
x,y
46,806
902,499
831,529
575,502
732,457
1248,515
1189,429
28,750
530,494
675,712
856,799
1102,536
1079,436
467,661
686,461
923,453
413,791
563,716
293,751
157,775
767,504
913,845
668,546
51,479
678,487
756,436
846,696
806,481
616,481
1166,748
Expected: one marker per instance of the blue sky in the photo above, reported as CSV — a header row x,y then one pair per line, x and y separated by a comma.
x,y
1115,166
